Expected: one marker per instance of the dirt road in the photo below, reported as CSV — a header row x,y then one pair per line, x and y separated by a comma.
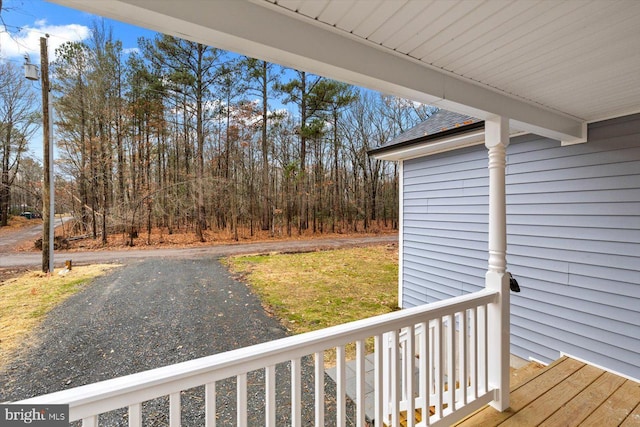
x,y
21,259
9,239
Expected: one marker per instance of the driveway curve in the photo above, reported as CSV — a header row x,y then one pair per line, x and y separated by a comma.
x,y
173,306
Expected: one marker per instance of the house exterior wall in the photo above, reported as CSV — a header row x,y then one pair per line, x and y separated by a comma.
x,y
573,225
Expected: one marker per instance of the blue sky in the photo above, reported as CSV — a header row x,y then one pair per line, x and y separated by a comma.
x,y
28,20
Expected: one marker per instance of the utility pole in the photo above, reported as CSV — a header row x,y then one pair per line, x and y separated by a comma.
x,y
48,195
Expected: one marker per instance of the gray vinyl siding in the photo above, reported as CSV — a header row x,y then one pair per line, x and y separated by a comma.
x,y
445,212
573,224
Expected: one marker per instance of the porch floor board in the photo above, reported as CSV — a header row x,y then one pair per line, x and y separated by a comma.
x,y
566,393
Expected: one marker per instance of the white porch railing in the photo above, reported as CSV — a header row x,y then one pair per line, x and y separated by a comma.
x,y
442,364
451,370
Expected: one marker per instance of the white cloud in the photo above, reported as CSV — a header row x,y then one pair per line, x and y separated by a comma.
x,y
128,50
27,41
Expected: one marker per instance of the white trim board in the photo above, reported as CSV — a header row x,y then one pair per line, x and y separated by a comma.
x,y
579,359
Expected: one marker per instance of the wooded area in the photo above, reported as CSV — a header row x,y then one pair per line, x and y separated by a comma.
x,y
188,137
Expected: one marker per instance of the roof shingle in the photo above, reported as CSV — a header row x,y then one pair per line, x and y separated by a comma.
x,y
440,121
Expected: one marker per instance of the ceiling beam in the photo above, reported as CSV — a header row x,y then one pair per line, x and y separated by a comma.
x,y
261,30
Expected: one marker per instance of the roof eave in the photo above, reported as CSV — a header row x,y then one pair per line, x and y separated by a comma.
x,y
264,30
452,139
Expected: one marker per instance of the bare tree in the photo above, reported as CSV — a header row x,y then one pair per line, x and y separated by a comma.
x,y
18,122
198,63
261,78
70,82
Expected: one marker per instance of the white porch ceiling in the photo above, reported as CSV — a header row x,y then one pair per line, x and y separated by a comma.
x,y
551,66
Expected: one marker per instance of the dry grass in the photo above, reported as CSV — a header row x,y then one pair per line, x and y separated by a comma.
x,y
26,299
316,290
18,222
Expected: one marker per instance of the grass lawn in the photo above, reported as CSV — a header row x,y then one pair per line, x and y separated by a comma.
x,y
28,298
315,290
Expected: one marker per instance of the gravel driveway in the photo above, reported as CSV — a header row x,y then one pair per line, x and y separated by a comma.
x,y
145,315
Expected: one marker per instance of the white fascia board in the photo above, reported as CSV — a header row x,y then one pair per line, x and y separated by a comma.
x,y
429,148
262,30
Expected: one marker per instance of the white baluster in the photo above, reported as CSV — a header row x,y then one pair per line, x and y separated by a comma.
x,y
319,388
360,377
438,362
296,394
270,396
394,379
174,410
463,359
341,387
409,368
90,421
379,381
210,405
241,400
423,370
473,352
451,362
135,415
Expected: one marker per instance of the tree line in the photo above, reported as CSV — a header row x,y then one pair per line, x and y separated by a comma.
x,y
185,136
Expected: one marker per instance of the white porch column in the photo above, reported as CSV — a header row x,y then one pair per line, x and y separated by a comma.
x,y
497,140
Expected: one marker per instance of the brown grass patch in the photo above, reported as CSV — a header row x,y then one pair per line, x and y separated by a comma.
x,y
18,222
26,299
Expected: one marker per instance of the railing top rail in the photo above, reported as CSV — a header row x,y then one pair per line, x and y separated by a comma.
x,y
119,392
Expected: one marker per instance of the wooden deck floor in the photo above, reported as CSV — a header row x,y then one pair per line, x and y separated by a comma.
x,y
565,393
